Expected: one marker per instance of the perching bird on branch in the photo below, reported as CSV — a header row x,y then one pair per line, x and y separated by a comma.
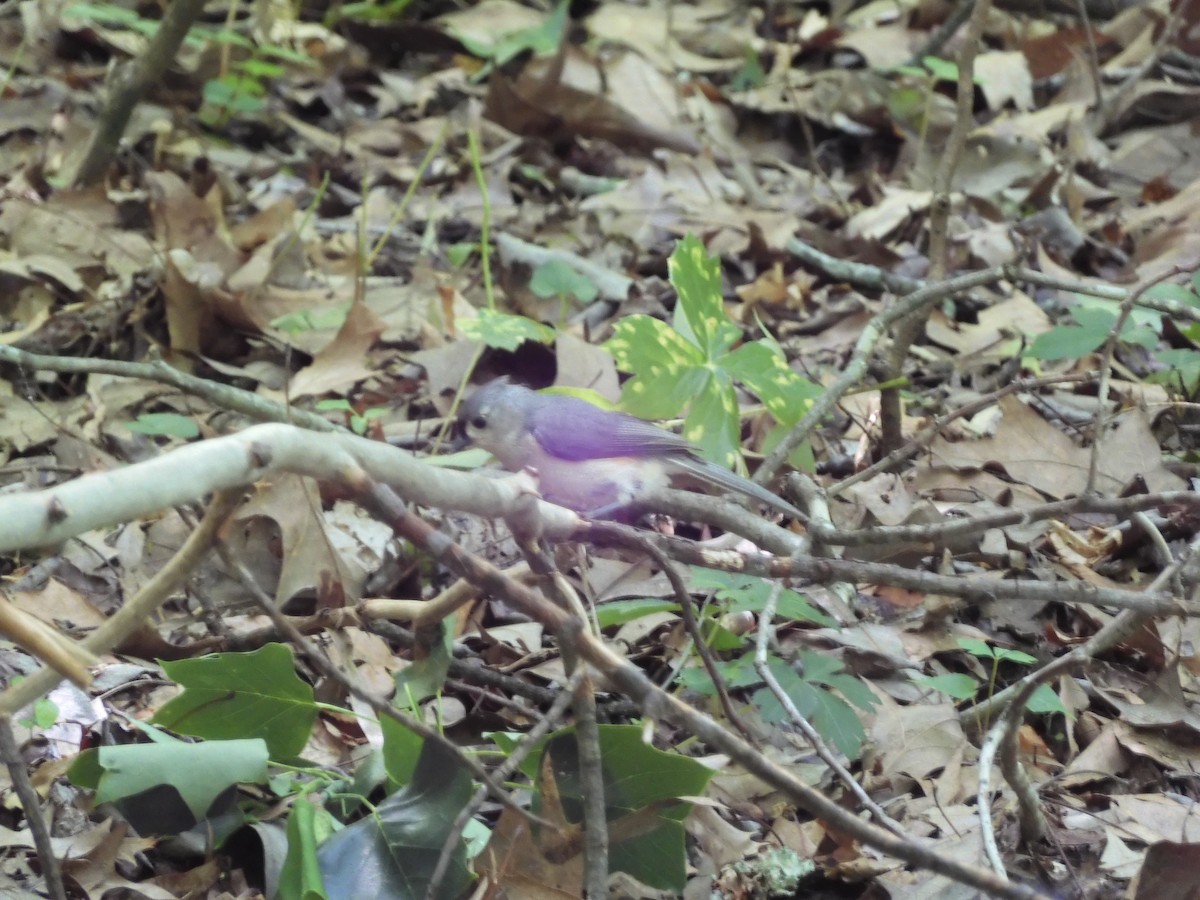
x,y
588,459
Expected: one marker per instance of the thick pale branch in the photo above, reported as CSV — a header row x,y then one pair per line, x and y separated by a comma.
x,y
40,518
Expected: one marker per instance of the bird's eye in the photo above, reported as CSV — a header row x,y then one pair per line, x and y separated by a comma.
x,y
479,422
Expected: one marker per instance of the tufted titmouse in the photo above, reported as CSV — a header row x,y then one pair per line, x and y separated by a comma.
x,y
586,458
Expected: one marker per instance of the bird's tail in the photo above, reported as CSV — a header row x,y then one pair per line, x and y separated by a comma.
x,y
711,473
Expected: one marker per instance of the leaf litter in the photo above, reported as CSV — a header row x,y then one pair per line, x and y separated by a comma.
x,y
315,236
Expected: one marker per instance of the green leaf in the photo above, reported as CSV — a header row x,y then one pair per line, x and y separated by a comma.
x,y
423,678
837,723
541,39
618,612
557,279
165,425
1183,370
239,695
1066,342
713,423
1015,656
195,774
813,696
700,313
287,54
750,75
503,331
720,638
736,673
1044,701
459,253
663,394
942,69
831,716
958,686
636,777
311,319
786,395
300,878
394,852
749,593
978,648
401,750
644,345
45,713
261,69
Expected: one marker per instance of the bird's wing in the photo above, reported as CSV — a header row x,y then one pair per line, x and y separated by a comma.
x,y
574,429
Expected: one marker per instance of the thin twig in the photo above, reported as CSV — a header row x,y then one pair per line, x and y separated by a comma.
x,y
11,754
857,366
979,590
501,774
587,733
921,439
687,611
766,633
1106,360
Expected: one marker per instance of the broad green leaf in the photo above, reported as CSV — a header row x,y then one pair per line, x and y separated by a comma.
x,y
700,313
837,723
696,277
943,69
401,750
393,852
1066,342
802,694
1045,701
618,612
958,686
423,678
736,673
663,394
1183,372
636,777
977,648
853,689
103,13
287,54
644,345
165,424
308,825
197,774
459,253
308,319
45,713
713,424
542,39
261,69
750,593
557,279
242,695
786,395
1015,656
503,331
810,693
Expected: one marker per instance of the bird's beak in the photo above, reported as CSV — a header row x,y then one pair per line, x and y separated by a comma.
x,y
459,441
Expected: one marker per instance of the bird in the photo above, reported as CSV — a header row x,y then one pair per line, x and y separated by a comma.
x,y
588,459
